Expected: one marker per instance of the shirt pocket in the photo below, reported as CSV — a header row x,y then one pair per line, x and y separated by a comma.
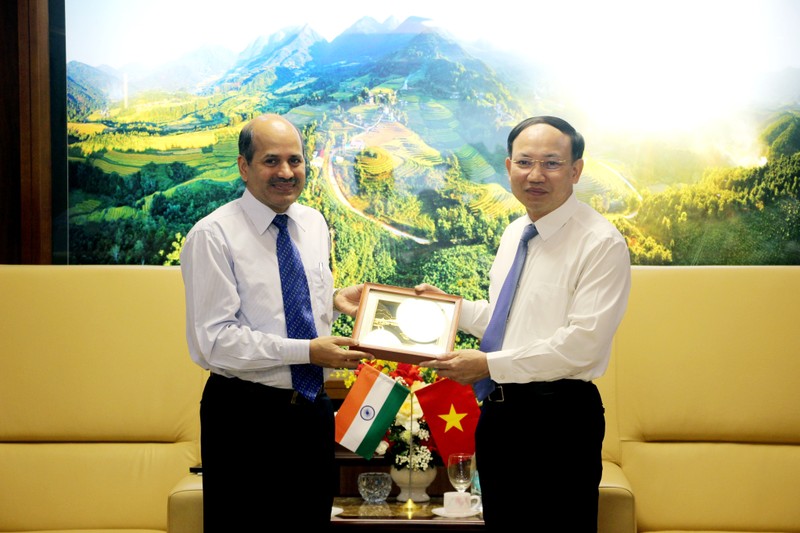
x,y
321,285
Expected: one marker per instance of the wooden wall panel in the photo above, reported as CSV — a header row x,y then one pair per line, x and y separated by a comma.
x,y
25,170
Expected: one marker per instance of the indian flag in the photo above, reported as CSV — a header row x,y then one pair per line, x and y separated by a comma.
x,y
368,410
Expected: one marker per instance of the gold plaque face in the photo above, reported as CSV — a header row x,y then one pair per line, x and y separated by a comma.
x,y
398,324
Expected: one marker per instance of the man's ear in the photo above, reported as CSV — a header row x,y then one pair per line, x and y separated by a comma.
x,y
577,169
242,164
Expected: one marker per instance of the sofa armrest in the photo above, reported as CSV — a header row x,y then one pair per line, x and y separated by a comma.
x,y
616,512
185,506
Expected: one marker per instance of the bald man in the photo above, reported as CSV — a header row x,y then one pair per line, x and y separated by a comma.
x,y
264,447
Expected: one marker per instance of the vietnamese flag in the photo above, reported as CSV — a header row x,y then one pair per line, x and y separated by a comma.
x,y
452,412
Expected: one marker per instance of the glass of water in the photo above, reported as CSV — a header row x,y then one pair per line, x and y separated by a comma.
x,y
460,469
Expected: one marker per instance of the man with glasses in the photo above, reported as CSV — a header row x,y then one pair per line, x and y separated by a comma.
x,y
540,433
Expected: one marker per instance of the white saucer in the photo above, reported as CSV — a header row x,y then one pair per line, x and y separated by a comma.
x,y
336,510
439,511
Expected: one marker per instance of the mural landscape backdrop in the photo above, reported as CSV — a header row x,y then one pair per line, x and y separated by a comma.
x,y
406,129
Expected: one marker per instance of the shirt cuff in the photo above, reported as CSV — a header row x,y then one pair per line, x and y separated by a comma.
x,y
336,312
500,368
469,319
296,351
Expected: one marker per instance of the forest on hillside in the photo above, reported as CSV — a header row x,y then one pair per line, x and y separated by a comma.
x,y
730,216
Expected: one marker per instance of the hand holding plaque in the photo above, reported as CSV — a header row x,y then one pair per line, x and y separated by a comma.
x,y
398,324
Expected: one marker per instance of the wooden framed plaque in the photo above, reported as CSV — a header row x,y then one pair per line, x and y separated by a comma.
x,y
398,324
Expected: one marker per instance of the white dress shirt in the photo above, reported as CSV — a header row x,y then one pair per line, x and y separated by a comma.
x,y
235,324
572,294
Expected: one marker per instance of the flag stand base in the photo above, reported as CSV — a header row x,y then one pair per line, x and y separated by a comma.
x,y
410,507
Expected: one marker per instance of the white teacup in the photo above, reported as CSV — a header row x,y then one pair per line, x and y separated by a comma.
x,y
461,503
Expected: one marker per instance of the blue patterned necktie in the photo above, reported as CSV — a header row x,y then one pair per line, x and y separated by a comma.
x,y
493,336
306,378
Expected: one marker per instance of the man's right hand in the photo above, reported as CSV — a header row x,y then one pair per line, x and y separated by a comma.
x,y
336,352
463,366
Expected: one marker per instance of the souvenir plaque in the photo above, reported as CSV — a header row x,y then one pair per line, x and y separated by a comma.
x,y
398,324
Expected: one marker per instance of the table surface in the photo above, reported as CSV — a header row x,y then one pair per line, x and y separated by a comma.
x,y
398,515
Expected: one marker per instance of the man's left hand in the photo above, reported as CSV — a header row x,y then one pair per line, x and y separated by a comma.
x,y
347,299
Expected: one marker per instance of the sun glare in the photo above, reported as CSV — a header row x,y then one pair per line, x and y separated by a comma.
x,y
633,65
649,66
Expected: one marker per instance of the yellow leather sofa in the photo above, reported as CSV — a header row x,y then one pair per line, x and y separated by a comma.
x,y
99,402
98,398
703,398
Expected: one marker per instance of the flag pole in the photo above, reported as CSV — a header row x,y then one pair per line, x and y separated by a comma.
x,y
410,506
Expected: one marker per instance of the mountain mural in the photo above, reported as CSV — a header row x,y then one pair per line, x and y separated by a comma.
x,y
406,130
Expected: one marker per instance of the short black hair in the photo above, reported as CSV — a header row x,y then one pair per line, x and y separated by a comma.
x,y
578,144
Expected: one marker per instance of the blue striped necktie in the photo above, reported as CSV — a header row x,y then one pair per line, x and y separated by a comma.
x,y
306,378
493,336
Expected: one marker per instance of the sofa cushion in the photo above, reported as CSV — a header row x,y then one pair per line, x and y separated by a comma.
x,y
99,399
707,361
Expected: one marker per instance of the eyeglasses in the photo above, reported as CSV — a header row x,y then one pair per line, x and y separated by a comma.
x,y
547,165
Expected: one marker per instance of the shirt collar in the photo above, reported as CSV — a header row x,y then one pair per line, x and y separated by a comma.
x,y
261,216
553,221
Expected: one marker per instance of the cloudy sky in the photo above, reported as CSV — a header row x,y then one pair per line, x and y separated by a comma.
x,y
116,32
699,57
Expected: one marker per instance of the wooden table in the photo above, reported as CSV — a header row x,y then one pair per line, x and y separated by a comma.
x,y
396,516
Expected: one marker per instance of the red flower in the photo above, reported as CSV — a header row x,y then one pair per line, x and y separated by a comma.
x,y
410,373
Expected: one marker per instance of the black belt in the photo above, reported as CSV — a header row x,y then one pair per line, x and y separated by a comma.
x,y
520,391
274,393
